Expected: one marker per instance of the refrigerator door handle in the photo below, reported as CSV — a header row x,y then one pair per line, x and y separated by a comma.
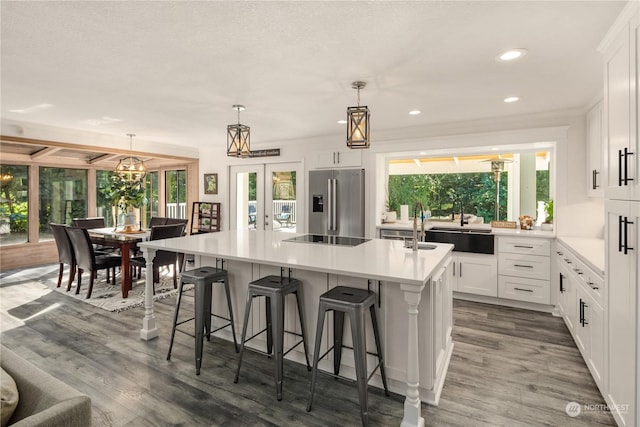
x,y
334,204
329,205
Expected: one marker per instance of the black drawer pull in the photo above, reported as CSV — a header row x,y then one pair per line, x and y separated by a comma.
x,y
523,246
522,265
523,290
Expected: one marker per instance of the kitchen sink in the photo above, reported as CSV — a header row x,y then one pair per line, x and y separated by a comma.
x,y
421,245
474,240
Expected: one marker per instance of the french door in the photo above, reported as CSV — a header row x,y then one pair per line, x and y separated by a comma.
x,y
267,197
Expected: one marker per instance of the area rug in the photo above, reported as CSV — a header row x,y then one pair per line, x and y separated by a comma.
x,y
104,295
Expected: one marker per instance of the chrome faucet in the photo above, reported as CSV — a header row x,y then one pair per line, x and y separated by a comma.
x,y
416,212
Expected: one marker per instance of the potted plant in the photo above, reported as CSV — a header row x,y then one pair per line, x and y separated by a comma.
x,y
126,195
548,216
389,215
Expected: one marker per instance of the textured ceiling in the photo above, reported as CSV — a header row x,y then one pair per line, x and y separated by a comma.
x,y
170,71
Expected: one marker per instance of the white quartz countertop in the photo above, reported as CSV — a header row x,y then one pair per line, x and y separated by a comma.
x,y
496,231
375,259
591,251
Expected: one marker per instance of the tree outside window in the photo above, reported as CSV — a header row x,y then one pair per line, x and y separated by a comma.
x,y
14,204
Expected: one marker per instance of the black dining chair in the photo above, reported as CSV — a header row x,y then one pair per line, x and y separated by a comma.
x,y
157,220
95,222
65,252
163,258
184,233
87,260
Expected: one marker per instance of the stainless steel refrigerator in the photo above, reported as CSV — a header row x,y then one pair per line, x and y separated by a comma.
x,y
336,202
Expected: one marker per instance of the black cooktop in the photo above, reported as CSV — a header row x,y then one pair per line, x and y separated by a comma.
x,y
328,240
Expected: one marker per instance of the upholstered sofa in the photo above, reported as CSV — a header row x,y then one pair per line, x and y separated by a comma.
x,y
43,399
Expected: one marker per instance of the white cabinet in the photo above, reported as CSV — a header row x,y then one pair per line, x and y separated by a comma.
x,y
475,274
621,284
339,158
580,303
589,334
442,317
524,269
620,112
567,299
595,149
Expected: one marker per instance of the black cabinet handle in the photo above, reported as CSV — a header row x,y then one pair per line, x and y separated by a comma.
x,y
594,175
620,156
460,268
581,312
626,165
523,290
626,235
568,261
522,265
562,289
559,253
454,269
620,233
523,246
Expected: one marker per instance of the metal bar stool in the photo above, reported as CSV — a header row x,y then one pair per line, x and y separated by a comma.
x,y
275,289
354,302
203,278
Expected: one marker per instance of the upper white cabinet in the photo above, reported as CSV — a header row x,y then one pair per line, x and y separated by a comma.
x,y
595,151
339,158
620,124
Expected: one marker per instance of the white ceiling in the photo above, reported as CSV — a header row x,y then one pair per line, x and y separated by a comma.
x,y
170,71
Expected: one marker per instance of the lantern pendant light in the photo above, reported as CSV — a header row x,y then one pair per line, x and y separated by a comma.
x,y
358,122
238,137
131,168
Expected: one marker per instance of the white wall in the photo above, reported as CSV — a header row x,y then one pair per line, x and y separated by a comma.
x,y
576,214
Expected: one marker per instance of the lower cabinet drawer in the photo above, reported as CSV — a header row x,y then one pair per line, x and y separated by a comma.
x,y
529,266
523,289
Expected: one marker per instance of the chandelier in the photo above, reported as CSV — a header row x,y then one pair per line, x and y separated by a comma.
x,y
131,168
358,122
238,137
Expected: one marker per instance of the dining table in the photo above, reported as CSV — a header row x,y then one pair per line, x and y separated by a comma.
x,y
126,242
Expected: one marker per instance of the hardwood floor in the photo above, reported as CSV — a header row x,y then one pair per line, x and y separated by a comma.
x,y
510,367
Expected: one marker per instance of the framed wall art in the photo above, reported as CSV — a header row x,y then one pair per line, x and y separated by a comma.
x,y
210,183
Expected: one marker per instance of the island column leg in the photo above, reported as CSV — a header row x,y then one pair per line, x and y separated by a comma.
x,y
412,404
149,329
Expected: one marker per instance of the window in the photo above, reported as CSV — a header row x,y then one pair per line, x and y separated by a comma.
x,y
151,189
484,187
176,194
63,196
14,204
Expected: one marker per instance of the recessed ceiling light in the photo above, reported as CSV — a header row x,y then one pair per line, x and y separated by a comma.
x,y
422,153
415,112
512,54
342,122
511,99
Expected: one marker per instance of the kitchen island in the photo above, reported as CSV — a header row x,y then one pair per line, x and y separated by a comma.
x,y
414,297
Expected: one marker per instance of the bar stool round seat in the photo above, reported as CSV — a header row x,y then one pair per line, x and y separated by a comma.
x,y
275,289
203,278
353,302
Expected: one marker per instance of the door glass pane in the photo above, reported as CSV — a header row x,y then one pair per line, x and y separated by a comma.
x,y
63,196
247,207
283,192
151,193
104,208
176,194
14,204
